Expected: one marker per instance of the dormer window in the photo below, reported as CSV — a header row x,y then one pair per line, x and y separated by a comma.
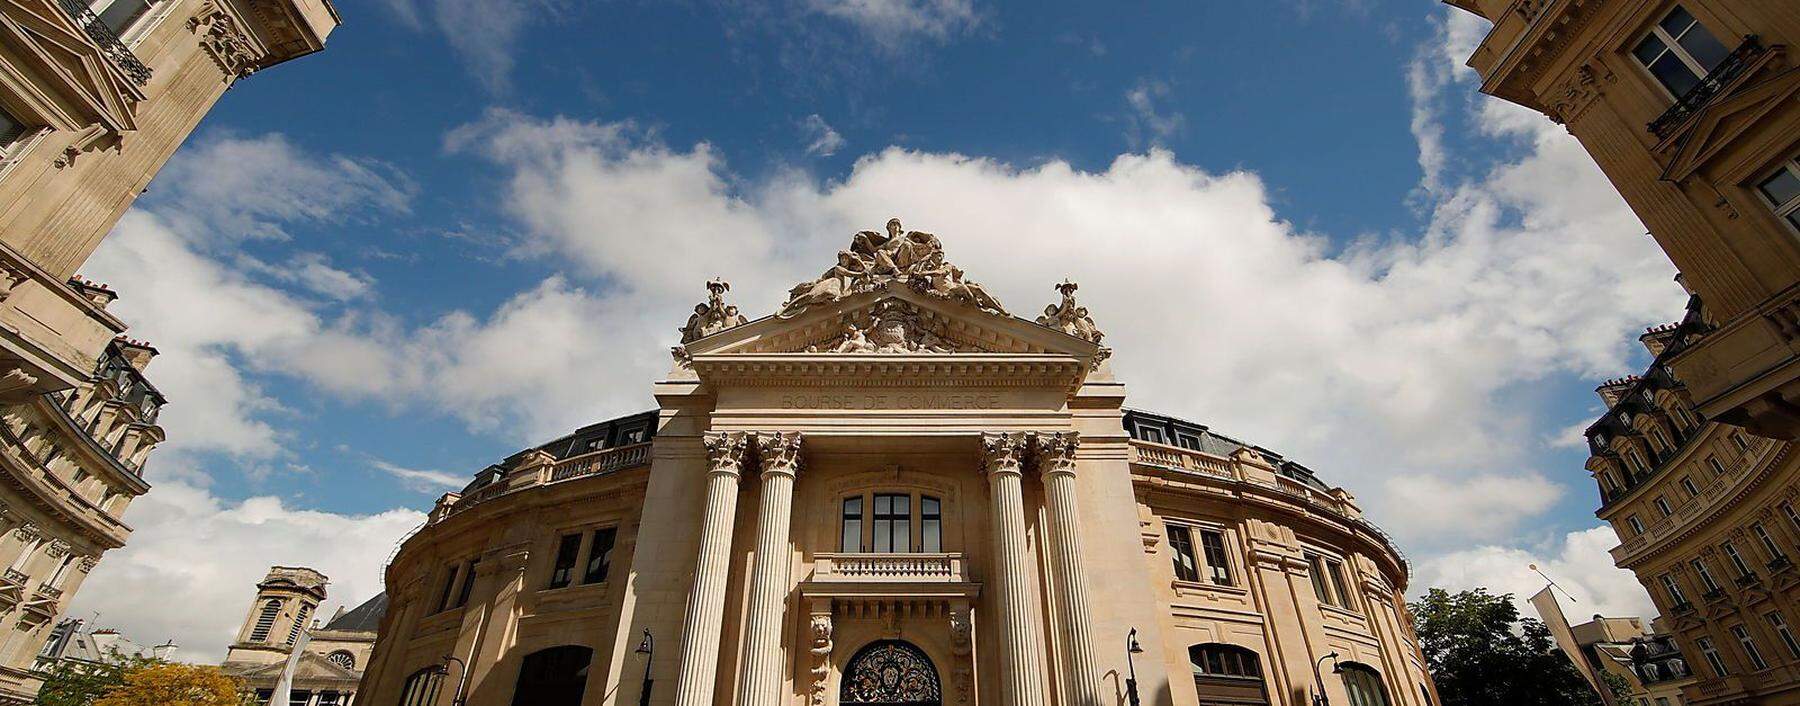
x,y
1679,52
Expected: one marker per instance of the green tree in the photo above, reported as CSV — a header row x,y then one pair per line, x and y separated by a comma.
x,y
70,682
1482,653
175,684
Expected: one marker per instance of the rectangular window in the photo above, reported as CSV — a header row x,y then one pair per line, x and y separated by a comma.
x,y
893,524
1187,441
1316,567
1768,542
1718,469
1712,657
567,550
1673,589
1780,626
1218,567
1782,189
468,583
445,595
1737,560
1181,545
600,555
1679,52
1662,506
1150,434
1743,443
931,524
1743,637
1687,484
1793,517
1637,526
853,521
121,15
1706,577
1335,570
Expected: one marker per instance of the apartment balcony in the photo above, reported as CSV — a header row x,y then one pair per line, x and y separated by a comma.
x,y
914,579
1747,372
109,42
1709,88
1748,580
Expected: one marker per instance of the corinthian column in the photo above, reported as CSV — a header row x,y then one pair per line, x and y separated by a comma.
x,y
769,579
1056,461
706,598
1021,652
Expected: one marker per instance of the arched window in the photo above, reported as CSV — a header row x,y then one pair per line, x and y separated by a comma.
x,y
553,677
265,621
892,673
1226,674
422,687
1363,684
343,659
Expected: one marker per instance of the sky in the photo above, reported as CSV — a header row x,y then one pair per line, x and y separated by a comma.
x,y
470,226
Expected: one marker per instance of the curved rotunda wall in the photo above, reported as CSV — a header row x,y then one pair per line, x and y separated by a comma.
x,y
894,459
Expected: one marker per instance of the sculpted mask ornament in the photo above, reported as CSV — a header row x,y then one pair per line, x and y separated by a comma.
x,y
713,315
821,652
874,260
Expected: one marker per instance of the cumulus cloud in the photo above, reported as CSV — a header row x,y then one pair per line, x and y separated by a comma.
x,y
419,479
820,138
1577,561
190,571
1470,507
231,187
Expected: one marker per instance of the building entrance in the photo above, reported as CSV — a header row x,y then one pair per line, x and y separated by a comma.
x,y
891,673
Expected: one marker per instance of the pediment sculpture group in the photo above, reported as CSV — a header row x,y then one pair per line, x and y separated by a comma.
x,y
914,259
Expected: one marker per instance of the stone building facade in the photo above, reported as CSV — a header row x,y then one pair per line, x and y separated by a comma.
x,y
95,95
335,652
893,491
1690,108
1709,520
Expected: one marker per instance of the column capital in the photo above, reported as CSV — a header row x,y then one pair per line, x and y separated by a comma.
x,y
1054,452
725,450
779,451
1003,452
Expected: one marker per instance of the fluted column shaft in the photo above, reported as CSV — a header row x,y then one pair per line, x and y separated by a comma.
x,y
1056,461
1021,647
770,578
706,597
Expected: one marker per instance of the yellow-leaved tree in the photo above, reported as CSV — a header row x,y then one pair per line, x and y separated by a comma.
x,y
175,684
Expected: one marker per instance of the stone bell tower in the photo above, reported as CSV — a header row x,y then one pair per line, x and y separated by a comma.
x,y
285,602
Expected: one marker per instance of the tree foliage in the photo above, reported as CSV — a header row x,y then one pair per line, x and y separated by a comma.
x,y
1482,653
71,682
172,684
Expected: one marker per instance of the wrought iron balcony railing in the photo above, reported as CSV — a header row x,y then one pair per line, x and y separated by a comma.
x,y
110,44
1702,93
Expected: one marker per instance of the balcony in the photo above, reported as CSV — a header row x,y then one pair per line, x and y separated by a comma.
x,y
1780,564
882,578
109,42
1748,580
1709,88
1713,596
601,462
1682,608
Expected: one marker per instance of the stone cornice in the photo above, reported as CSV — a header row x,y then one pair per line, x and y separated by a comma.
x,y
100,460
887,370
1551,25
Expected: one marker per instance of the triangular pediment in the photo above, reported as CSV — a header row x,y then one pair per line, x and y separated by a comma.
x,y
49,40
311,666
1742,106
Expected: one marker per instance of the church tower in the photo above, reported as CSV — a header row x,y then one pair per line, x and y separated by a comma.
x,y
286,600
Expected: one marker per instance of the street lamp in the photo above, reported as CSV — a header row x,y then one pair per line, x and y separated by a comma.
x,y
647,648
1132,648
456,697
1319,697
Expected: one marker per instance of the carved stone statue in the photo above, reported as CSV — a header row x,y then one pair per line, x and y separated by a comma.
x,y
1069,317
821,653
893,326
712,316
914,259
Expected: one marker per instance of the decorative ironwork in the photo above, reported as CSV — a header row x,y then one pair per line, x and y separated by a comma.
x,y
110,44
891,672
1702,93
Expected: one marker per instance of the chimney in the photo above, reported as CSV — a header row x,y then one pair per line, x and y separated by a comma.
x,y
136,352
98,294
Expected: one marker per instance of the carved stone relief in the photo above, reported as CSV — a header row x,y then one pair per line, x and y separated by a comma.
x,y
225,41
892,326
713,315
914,258
821,658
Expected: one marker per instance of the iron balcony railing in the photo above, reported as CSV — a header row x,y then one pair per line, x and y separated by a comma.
x,y
1702,93
110,44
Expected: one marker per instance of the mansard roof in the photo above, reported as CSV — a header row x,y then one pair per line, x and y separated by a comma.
x,y
1202,438
363,618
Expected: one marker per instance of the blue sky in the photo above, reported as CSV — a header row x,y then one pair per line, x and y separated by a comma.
x,y
469,225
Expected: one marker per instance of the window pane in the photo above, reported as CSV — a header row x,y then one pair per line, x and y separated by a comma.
x,y
1794,218
852,539
1181,545
121,14
1677,21
468,583
566,550
903,534
1336,571
1703,46
1218,568
1647,50
1781,188
931,525
884,541
600,555
10,129
1674,75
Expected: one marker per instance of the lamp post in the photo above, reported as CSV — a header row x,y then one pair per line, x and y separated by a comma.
x,y
1319,697
456,697
647,648
1131,648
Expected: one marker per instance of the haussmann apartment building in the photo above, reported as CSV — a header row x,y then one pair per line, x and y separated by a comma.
x,y
892,491
95,95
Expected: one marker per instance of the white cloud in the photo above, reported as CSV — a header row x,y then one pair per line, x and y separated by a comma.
x,y
820,138
230,187
894,23
421,480
190,571
1147,124
484,33
1471,507
1578,562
